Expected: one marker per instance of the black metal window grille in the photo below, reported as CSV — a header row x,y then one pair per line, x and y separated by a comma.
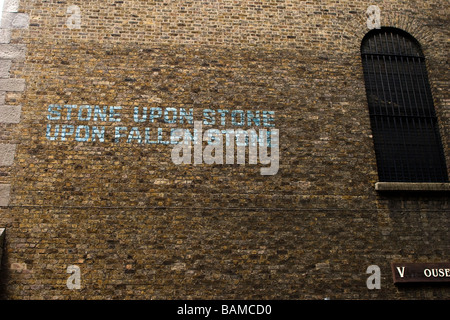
x,y
406,136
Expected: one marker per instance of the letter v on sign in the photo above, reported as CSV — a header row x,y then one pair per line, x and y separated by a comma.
x,y
401,271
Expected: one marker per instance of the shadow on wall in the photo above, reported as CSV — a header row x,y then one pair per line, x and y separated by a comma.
x,y
3,268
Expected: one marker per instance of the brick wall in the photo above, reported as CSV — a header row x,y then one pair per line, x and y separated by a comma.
x,y
139,226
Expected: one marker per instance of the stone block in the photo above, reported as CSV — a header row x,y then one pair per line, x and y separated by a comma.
x,y
10,114
5,36
11,5
12,51
5,190
7,154
12,20
5,66
12,85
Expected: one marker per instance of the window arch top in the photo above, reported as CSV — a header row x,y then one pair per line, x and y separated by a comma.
x,y
391,41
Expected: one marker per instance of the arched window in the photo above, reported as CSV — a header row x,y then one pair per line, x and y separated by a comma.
x,y
407,142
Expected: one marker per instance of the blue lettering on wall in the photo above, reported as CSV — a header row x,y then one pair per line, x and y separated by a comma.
x,y
75,123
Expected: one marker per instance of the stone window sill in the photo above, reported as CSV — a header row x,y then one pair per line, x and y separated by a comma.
x,y
407,186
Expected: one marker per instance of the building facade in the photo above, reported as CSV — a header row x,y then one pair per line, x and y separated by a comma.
x,y
121,177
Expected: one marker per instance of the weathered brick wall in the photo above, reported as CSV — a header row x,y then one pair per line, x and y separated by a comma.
x,y
138,226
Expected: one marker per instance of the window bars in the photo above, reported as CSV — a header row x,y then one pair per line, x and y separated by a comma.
x,y
407,142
